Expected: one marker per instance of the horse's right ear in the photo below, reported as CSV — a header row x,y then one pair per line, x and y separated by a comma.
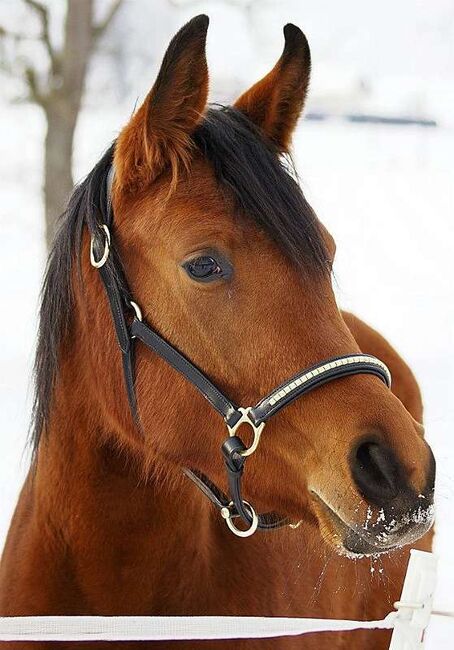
x,y
159,133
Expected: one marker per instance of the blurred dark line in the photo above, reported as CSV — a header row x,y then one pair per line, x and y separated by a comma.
x,y
364,118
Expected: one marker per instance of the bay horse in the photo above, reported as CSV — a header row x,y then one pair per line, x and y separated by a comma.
x,y
198,228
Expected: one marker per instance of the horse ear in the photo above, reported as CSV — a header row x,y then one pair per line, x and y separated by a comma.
x,y
275,102
159,133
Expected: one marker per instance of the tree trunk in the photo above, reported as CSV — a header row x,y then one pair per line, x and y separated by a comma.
x,y
58,180
62,108
60,95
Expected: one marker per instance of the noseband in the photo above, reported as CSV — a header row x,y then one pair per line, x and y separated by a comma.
x,y
130,327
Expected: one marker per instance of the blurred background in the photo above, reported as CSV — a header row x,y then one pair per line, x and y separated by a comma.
x,y
374,153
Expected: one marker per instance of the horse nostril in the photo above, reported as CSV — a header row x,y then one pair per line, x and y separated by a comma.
x,y
375,471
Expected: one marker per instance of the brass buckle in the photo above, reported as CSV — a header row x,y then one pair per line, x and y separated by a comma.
x,y
245,419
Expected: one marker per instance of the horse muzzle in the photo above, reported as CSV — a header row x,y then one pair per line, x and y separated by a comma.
x,y
392,515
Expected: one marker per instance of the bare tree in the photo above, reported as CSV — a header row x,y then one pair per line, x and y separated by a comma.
x,y
60,92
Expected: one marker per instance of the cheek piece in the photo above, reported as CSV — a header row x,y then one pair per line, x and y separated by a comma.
x,y
130,328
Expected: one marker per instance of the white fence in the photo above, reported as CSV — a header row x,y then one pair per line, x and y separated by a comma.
x,y
409,622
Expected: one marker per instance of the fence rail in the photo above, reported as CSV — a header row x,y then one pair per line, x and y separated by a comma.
x,y
409,622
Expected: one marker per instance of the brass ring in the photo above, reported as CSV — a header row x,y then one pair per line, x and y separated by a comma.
x,y
136,309
226,514
99,263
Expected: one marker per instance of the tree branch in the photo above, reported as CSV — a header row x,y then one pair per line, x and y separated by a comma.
x,y
101,27
20,67
33,87
17,37
43,14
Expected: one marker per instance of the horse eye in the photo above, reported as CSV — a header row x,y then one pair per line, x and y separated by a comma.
x,y
205,268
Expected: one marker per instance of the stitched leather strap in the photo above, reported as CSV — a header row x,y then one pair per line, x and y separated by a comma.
x,y
234,463
179,362
267,521
118,294
314,377
119,299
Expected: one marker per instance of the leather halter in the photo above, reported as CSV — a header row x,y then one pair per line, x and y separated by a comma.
x,y
130,327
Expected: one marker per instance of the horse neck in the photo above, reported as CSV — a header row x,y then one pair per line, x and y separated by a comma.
x,y
111,514
112,508
85,473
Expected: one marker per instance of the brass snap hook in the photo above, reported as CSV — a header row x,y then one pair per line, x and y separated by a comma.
x,y
257,430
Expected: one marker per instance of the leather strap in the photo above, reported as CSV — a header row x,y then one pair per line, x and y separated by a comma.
x,y
189,370
314,377
234,464
267,521
118,294
119,298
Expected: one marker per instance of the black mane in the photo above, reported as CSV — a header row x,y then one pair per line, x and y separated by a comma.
x,y
262,183
245,164
88,203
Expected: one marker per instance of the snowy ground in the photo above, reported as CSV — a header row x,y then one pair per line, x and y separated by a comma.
x,y
386,194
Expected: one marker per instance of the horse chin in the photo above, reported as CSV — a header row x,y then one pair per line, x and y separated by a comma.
x,y
356,543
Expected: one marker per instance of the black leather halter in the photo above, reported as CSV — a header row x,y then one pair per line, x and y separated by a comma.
x,y
130,327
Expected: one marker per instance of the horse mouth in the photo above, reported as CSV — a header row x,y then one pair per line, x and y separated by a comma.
x,y
355,541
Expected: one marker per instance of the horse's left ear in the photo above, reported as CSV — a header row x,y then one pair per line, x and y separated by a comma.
x,y
275,102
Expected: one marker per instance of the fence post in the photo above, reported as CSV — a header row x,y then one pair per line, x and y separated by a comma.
x,y
415,605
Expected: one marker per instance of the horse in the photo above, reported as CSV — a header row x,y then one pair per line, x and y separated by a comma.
x,y
190,275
